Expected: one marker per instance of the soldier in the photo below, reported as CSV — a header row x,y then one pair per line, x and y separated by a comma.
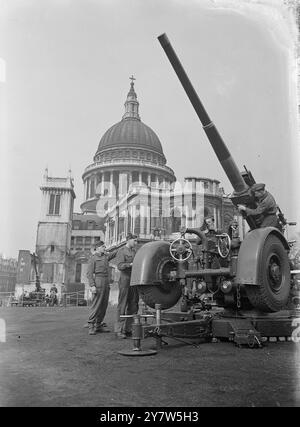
x,y
266,207
128,295
98,277
208,225
54,288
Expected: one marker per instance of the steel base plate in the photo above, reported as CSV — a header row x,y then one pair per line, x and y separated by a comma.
x,y
137,352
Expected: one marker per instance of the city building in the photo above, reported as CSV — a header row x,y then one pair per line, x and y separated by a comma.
x,y
152,213
8,274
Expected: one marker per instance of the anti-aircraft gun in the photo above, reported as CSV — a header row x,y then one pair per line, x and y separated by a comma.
x,y
250,277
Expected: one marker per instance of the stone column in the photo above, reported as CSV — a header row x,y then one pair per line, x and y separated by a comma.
x,y
102,183
219,217
107,231
149,179
88,188
93,186
157,182
143,217
84,190
140,178
126,223
111,184
129,179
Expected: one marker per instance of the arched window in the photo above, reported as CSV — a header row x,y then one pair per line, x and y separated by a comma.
x,y
54,205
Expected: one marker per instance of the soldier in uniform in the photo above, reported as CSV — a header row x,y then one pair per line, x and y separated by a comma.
x,y
266,207
98,276
128,295
208,226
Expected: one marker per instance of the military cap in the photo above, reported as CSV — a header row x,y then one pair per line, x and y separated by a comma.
x,y
258,187
209,217
131,236
100,243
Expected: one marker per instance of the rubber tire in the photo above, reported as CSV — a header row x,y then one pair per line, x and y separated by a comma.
x,y
156,294
262,296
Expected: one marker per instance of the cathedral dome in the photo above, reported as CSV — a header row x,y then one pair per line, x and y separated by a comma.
x,y
130,132
128,153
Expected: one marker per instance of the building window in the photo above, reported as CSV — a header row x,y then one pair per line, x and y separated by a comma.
x,y
57,204
51,205
78,273
52,248
90,225
135,177
87,240
76,225
145,178
54,205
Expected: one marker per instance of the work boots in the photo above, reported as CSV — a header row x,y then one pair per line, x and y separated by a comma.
x,y
92,329
101,328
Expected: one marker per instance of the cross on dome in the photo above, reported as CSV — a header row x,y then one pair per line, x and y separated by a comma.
x,y
131,103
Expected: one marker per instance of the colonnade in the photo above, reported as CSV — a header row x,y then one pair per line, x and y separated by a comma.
x,y
103,182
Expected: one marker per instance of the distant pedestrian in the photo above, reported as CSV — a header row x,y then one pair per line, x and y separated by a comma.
x,y
53,295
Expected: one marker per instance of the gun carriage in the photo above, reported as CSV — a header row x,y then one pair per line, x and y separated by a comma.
x,y
248,280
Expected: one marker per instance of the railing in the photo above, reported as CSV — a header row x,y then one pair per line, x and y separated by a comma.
x,y
74,299
7,299
116,162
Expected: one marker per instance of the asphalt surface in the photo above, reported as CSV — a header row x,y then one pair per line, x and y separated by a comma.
x,y
49,359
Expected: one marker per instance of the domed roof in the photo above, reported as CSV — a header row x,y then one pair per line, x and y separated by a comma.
x,y
131,133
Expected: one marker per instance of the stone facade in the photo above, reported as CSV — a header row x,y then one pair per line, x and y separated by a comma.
x,y
159,213
8,274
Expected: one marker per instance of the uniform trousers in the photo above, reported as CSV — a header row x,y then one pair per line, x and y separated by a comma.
x,y
100,301
128,303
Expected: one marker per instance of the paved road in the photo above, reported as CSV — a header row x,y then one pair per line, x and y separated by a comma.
x,y
48,359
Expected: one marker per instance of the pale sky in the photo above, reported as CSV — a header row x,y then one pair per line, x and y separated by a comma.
x,y
64,77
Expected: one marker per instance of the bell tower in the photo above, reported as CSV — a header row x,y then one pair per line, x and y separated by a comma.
x,y
54,228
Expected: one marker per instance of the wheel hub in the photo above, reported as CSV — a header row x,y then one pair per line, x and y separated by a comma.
x,y
275,274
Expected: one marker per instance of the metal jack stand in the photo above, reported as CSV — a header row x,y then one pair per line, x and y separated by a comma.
x,y
137,335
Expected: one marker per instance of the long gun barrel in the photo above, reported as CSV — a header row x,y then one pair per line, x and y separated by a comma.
x,y
211,131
